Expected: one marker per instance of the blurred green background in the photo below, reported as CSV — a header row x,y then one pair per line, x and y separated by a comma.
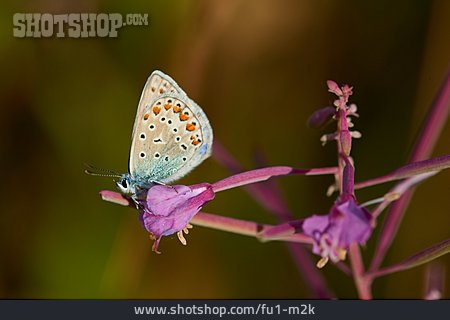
x,y
258,69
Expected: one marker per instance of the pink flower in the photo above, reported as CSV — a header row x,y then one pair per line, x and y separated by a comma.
x,y
346,223
168,209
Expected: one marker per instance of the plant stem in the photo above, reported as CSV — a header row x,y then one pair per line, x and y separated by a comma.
x,y
409,170
363,284
259,175
431,129
435,251
399,189
246,228
346,188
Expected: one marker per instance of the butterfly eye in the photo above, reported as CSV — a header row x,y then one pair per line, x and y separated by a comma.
x,y
124,184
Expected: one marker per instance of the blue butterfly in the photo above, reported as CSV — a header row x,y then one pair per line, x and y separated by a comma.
x,y
171,136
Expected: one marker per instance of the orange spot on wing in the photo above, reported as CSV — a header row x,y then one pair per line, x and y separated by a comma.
x,y
167,106
146,116
192,137
195,142
176,109
190,127
156,110
183,117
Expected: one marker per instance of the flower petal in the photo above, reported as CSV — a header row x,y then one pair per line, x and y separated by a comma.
x,y
314,227
356,226
169,209
346,223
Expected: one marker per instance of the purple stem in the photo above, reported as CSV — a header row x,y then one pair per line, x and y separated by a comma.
x,y
361,282
434,123
281,230
415,260
399,190
431,129
115,197
263,174
346,176
415,168
246,228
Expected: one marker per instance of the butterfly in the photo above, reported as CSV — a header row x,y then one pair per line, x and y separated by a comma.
x,y
171,136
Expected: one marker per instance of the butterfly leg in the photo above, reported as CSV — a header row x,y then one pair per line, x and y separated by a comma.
x,y
159,182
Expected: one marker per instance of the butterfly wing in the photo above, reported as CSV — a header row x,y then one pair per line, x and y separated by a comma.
x,y
158,83
172,135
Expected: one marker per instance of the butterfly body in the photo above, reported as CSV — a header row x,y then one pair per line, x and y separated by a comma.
x,y
171,136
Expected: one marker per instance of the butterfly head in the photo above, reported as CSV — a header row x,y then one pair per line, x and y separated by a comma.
x,y
126,185
134,188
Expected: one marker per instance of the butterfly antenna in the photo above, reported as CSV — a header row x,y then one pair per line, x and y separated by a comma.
x,y
93,171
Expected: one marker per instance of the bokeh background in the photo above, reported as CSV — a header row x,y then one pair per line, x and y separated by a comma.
x,y
258,69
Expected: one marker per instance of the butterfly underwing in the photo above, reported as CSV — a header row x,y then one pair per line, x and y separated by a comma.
x,y
171,136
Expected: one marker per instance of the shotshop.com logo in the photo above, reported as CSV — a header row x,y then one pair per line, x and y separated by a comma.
x,y
73,25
